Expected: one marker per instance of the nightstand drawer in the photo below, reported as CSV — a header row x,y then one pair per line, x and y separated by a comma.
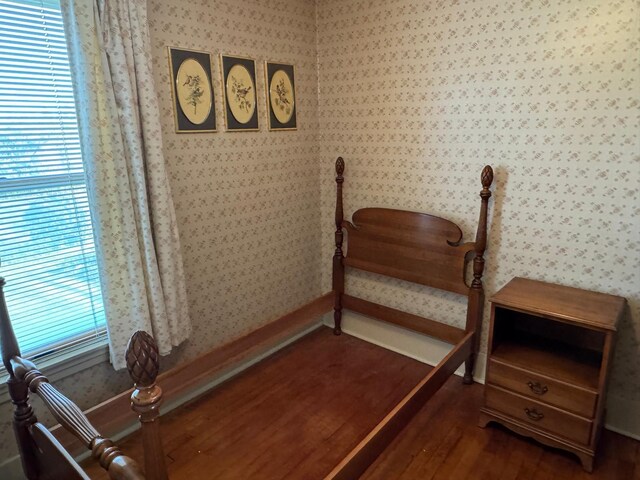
x,y
539,415
568,397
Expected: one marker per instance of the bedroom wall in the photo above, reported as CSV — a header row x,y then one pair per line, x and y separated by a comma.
x,y
247,204
418,96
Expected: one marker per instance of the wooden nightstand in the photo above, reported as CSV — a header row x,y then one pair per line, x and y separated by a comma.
x,y
550,349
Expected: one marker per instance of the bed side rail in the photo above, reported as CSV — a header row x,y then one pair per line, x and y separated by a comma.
x,y
366,452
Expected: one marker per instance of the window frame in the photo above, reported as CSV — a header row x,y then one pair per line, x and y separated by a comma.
x,y
64,357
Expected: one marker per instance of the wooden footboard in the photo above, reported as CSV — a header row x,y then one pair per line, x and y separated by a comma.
x,y
366,452
42,455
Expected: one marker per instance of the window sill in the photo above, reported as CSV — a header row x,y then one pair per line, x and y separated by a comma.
x,y
65,363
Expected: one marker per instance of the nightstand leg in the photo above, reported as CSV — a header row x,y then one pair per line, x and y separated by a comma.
x,y
484,420
586,460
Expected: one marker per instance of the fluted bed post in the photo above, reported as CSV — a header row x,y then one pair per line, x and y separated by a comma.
x,y
23,416
476,291
338,266
143,365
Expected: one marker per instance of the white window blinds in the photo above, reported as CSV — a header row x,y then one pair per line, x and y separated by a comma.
x,y
47,251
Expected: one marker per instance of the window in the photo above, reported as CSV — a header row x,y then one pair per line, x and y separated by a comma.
x,y
47,251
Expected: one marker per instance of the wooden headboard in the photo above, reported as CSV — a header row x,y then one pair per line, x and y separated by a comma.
x,y
411,246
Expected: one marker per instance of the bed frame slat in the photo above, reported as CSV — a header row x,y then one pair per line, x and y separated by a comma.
x,y
365,453
431,328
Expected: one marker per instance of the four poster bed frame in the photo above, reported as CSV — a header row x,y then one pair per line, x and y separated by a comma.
x,y
410,246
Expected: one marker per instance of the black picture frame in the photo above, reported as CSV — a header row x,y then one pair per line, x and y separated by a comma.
x,y
183,124
274,123
227,62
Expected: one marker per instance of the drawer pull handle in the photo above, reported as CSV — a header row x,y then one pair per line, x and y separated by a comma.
x,y
537,388
533,414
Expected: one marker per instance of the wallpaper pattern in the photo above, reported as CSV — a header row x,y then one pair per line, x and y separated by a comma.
x,y
418,96
246,202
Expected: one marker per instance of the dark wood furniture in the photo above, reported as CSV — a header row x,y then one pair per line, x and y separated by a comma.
x,y
411,246
550,349
271,434
42,455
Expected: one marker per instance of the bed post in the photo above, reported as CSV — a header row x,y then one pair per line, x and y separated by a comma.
x,y
143,365
23,416
338,266
476,292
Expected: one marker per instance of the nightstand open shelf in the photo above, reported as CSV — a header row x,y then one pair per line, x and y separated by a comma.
x,y
566,361
550,349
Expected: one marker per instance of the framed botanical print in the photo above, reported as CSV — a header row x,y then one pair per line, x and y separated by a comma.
x,y
239,85
281,96
192,90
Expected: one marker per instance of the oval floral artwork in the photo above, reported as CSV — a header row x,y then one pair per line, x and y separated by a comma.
x,y
241,94
194,91
281,93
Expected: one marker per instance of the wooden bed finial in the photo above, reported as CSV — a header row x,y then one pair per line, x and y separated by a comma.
x,y
476,292
486,177
338,266
340,166
143,363
143,359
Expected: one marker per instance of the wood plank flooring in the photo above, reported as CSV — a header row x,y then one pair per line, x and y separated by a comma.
x,y
295,415
443,443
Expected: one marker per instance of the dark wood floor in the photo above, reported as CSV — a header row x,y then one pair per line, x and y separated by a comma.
x,y
298,413
295,415
443,443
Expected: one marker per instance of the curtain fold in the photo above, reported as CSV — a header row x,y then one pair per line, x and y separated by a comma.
x,y
133,215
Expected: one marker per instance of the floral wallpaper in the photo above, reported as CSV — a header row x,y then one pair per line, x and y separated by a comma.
x,y
418,96
247,203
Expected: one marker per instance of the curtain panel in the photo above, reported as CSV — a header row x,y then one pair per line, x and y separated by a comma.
x,y
135,227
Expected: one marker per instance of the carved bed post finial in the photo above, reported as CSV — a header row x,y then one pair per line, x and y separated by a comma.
x,y
338,266
476,292
486,177
143,363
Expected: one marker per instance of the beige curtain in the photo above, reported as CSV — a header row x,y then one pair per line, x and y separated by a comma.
x,y
131,205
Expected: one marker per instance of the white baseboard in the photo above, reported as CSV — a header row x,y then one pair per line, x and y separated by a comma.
x,y
623,416
405,342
